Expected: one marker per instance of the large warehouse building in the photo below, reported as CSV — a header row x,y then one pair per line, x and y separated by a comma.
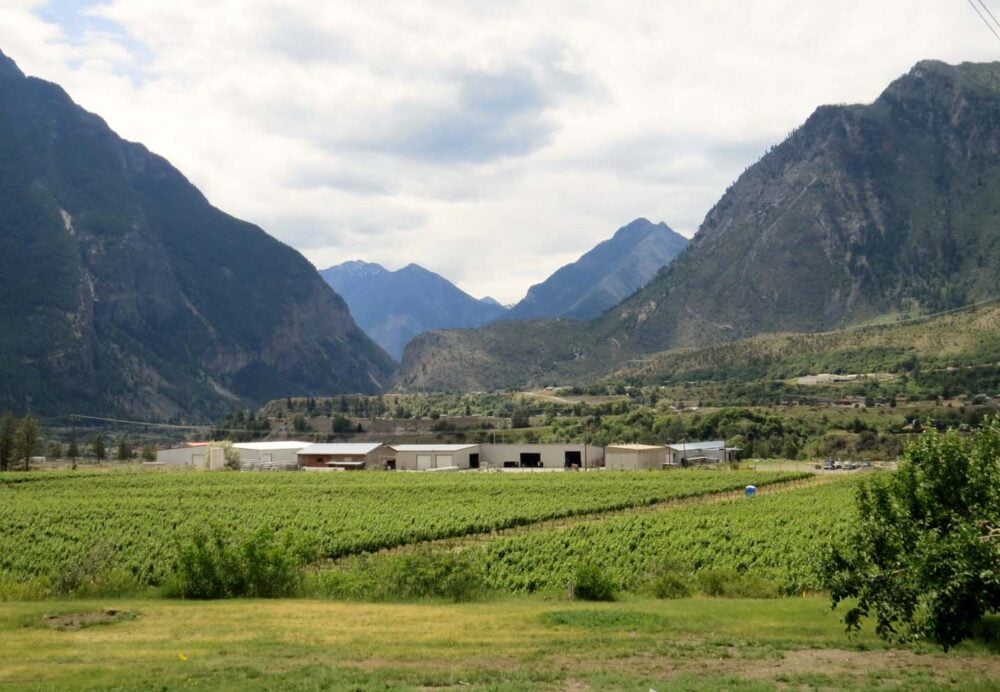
x,y
348,455
549,456
436,457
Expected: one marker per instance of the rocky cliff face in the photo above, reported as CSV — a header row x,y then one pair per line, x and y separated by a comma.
x,y
604,276
126,291
863,212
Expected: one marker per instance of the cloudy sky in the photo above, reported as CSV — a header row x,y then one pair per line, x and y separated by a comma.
x,y
489,141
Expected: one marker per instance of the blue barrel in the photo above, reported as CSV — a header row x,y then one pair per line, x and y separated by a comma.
x,y
750,490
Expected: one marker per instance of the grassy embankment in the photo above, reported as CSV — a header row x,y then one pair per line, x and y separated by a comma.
x,y
511,644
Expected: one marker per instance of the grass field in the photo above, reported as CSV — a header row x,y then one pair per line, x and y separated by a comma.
x,y
506,645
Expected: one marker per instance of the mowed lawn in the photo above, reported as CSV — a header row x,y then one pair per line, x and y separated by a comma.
x,y
517,643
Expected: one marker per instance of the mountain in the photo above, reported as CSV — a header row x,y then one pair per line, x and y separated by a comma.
x,y
393,307
863,213
604,276
126,292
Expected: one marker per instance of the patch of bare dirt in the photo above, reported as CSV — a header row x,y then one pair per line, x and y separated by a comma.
x,y
78,621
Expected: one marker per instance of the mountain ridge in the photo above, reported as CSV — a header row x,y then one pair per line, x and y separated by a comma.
x,y
863,211
603,276
394,306
126,291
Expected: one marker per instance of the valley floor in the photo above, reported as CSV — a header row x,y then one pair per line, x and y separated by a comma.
x,y
510,644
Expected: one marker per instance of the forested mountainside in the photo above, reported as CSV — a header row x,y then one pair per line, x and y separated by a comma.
x,y
125,291
864,212
394,306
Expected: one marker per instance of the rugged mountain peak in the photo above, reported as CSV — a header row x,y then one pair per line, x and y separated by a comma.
x,y
605,275
394,306
9,68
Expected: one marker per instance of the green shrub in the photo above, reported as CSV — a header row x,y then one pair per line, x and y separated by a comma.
x,y
213,565
730,583
670,585
590,583
418,575
95,575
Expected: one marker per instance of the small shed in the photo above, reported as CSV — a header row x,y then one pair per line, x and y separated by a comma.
x,y
348,456
633,457
431,457
695,453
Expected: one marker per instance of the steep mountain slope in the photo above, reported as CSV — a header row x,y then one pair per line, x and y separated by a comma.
x,y
604,276
864,211
393,307
125,291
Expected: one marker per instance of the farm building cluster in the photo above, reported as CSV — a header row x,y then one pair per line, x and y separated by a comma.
x,y
345,456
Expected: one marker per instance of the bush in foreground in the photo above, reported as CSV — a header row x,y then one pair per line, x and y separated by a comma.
x,y
590,583
214,565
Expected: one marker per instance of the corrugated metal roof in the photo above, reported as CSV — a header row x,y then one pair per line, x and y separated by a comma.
x,y
695,446
272,445
341,448
635,447
431,448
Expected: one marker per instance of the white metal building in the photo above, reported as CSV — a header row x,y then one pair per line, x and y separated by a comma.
x,y
549,456
436,456
632,457
254,455
199,456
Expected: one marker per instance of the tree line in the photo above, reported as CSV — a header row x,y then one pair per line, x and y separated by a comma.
x,y
21,439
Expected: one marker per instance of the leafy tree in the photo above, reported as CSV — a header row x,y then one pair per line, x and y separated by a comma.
x,y
122,453
73,452
148,453
26,440
924,558
56,450
8,429
98,448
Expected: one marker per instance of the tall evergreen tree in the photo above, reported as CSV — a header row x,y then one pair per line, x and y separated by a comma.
x,y
98,448
8,427
26,439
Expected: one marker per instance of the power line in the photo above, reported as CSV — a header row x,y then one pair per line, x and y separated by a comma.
x,y
983,4
983,17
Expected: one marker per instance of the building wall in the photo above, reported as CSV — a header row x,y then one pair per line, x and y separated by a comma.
x,y
268,455
419,461
618,458
185,456
553,456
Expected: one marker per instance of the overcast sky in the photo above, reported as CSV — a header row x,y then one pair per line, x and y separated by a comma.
x,y
491,141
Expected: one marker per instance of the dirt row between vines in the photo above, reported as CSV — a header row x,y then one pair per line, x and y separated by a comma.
x,y
596,517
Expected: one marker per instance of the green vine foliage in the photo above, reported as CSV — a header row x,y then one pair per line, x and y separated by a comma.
x,y
924,558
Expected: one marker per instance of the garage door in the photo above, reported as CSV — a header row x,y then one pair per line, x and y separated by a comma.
x,y
423,461
198,460
444,460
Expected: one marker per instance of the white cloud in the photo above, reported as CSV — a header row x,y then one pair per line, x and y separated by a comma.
x,y
491,142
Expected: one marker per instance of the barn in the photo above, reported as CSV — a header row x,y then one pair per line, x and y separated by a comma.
x,y
631,457
430,457
348,456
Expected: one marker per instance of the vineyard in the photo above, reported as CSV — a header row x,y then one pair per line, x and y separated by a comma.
x,y
777,537
53,522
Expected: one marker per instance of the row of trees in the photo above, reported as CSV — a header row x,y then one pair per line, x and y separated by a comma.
x,y
19,441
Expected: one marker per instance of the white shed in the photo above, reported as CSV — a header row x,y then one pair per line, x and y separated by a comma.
x,y
694,453
270,454
631,457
